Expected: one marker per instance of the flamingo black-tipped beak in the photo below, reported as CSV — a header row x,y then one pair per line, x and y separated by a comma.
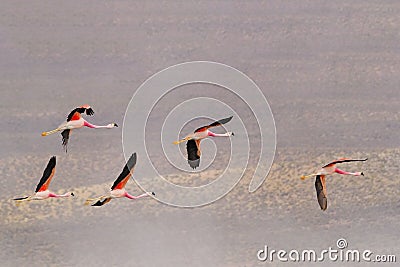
x,y
233,134
362,174
72,194
153,193
116,125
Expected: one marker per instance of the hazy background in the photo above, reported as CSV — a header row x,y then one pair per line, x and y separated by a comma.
x,y
330,71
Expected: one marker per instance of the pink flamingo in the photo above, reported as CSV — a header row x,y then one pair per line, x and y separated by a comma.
x,y
118,188
42,191
328,169
193,141
75,121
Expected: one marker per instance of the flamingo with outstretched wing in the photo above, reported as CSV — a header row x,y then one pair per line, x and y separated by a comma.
x,y
328,169
75,121
194,139
118,187
42,191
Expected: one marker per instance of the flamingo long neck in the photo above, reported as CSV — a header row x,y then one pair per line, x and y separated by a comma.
x,y
63,195
217,135
88,124
346,173
136,197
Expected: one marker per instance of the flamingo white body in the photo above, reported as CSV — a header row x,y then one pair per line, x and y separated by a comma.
x,y
118,188
75,121
205,134
328,169
193,141
42,191
118,193
76,124
47,194
331,169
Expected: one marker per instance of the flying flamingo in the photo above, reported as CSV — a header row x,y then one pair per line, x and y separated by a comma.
x,y
118,188
75,121
194,139
328,169
42,191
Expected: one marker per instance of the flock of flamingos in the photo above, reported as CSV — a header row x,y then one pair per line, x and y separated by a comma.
x,y
75,121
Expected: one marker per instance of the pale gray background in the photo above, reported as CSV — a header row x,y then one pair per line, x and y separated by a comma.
x,y
330,70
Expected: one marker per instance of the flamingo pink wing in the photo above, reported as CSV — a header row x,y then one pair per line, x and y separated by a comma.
x,y
122,183
76,113
342,160
126,173
47,175
214,124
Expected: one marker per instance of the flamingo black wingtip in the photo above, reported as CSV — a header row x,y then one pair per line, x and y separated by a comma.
x,y
194,163
89,111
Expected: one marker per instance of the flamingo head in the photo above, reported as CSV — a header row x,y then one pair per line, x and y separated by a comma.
x,y
112,125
